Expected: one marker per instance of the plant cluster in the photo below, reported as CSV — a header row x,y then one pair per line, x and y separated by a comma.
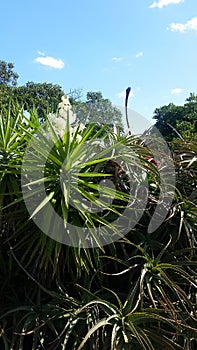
x,y
138,291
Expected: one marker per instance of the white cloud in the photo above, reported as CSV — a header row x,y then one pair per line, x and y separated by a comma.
x,y
50,62
161,3
41,53
177,91
122,94
117,59
139,54
182,27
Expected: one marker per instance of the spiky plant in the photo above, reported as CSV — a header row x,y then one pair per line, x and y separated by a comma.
x,y
137,291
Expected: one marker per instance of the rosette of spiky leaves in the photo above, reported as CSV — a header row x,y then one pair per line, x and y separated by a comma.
x,y
84,178
182,218
99,320
87,157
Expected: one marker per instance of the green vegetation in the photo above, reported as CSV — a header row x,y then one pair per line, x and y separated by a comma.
x,y
44,97
97,109
178,122
138,291
7,75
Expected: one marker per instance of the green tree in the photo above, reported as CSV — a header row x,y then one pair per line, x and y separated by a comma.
x,y
177,121
97,109
7,75
75,96
94,97
6,95
43,96
8,82
192,97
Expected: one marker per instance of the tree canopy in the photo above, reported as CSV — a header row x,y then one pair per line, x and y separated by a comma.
x,y
97,109
7,75
46,96
42,96
178,121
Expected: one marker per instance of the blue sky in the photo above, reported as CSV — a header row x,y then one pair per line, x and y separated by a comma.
x,y
105,45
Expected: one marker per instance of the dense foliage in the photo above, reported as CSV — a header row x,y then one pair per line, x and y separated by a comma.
x,y
178,122
135,289
97,109
7,75
137,292
45,97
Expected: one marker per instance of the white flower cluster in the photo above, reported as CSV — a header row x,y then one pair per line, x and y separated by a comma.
x,y
65,110
59,121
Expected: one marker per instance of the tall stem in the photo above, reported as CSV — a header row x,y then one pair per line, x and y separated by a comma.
x,y
126,103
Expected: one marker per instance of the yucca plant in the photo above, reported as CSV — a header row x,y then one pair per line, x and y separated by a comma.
x,y
62,174
117,285
72,149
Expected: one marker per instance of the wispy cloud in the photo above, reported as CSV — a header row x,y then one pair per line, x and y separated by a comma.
x,y
41,53
183,27
50,61
139,54
117,59
177,91
161,3
122,94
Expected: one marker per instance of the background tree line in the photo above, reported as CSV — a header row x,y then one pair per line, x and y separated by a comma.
x,y
178,122
174,122
46,96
